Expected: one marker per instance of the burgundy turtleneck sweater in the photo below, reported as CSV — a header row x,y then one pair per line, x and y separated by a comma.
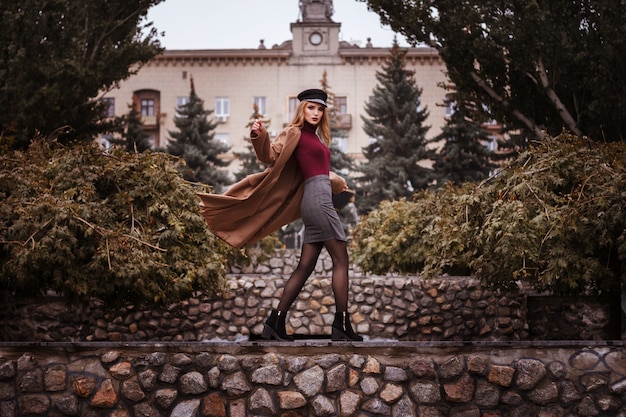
x,y
312,155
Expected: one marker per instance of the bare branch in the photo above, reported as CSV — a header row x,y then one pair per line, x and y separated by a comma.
x,y
554,98
530,124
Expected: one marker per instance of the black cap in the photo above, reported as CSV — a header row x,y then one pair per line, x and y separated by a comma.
x,y
314,95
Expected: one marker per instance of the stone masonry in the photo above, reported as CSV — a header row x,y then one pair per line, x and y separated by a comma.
x,y
440,348
288,380
405,308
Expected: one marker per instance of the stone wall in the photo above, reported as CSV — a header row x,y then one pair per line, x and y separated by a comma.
x,y
404,308
410,379
569,318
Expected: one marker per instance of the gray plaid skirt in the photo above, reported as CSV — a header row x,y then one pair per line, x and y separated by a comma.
x,y
321,221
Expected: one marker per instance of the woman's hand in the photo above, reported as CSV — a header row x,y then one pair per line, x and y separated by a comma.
x,y
257,126
345,185
337,183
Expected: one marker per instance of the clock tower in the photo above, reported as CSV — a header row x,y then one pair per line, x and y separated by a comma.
x,y
315,35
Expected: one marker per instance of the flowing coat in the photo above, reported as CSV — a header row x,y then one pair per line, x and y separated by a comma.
x,y
263,202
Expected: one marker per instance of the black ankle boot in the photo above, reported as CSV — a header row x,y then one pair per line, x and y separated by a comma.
x,y
342,329
274,327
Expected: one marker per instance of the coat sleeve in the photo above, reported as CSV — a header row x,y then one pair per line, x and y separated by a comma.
x,y
266,150
260,203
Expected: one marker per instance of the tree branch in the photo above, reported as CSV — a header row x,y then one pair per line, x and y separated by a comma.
x,y
99,230
530,124
554,98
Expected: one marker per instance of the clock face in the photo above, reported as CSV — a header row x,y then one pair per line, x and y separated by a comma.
x,y
315,38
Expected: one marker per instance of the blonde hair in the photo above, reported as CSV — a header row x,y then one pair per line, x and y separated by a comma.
x,y
323,127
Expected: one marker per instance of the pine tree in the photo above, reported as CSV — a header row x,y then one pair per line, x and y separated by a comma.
x,y
133,139
250,164
57,56
396,125
194,142
532,76
339,161
464,156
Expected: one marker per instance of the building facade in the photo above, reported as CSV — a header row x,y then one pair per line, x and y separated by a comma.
x,y
231,81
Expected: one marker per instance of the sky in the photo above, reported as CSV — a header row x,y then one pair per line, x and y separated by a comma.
x,y
240,24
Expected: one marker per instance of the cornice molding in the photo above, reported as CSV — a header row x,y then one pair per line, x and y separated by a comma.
x,y
351,55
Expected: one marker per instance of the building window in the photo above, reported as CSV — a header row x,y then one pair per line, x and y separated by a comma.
x,y
261,103
109,106
491,144
450,105
293,105
490,122
341,144
151,140
147,107
222,137
341,105
222,106
180,102
343,120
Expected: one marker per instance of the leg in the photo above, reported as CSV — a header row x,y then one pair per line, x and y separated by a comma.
x,y
338,252
342,328
308,259
274,327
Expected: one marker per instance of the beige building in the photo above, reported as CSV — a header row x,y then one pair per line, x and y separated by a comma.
x,y
230,81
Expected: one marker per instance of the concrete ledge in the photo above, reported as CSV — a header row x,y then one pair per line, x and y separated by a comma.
x,y
321,342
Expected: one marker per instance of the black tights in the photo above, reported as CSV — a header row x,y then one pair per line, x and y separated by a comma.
x,y
310,252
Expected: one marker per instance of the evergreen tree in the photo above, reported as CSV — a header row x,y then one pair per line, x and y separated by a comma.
x,y
339,161
396,125
464,156
194,142
250,164
56,57
133,139
532,76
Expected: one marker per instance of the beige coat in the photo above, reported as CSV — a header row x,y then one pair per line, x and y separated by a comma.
x,y
263,202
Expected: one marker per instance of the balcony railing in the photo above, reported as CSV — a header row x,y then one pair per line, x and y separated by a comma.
x,y
150,120
344,121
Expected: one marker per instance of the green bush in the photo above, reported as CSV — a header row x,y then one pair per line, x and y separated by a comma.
x,y
555,217
84,222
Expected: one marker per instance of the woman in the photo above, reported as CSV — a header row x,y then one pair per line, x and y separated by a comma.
x,y
298,183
